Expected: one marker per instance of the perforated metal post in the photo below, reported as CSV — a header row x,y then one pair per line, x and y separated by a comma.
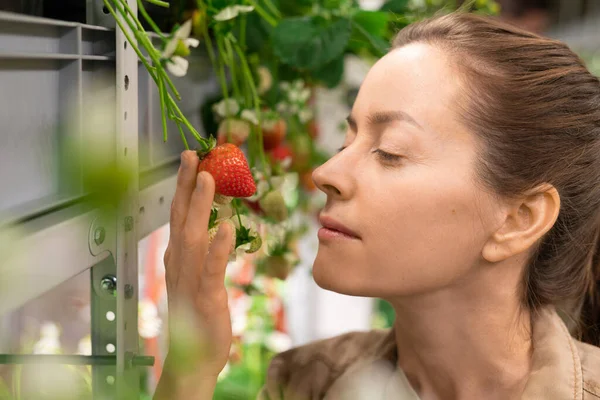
x,y
104,332
126,256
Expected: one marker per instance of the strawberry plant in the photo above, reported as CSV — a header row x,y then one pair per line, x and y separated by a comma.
x,y
268,56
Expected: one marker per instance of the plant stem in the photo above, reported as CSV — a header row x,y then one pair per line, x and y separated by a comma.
x,y
150,21
159,3
163,116
133,15
152,52
187,123
272,8
157,74
131,41
237,212
243,23
230,55
270,20
222,79
252,86
185,143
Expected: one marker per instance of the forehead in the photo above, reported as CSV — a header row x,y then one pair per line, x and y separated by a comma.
x,y
417,79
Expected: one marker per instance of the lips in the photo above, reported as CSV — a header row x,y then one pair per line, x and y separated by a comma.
x,y
337,227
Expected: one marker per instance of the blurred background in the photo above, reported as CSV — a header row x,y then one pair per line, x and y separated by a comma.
x,y
60,258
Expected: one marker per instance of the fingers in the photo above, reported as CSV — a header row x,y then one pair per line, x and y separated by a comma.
x,y
213,273
194,239
186,182
196,225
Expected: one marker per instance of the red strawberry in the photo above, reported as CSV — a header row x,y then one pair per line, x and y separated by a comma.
x,y
254,206
229,168
307,182
313,129
273,133
281,154
234,131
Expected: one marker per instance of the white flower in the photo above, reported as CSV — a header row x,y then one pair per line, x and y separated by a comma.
x,y
278,342
178,66
238,325
250,116
265,80
293,96
84,346
149,323
178,47
232,11
304,95
298,84
226,108
288,187
285,86
252,337
256,322
305,115
49,342
282,107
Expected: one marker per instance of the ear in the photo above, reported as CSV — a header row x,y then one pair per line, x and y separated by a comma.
x,y
528,219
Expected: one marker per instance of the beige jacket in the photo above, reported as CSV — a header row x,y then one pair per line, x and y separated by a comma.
x,y
361,366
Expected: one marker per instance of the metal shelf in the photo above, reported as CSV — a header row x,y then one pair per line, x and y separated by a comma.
x,y
46,67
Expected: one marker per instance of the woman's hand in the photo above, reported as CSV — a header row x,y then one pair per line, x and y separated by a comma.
x,y
199,319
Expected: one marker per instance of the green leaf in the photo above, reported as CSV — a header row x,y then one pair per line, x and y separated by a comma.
x,y
214,213
330,74
377,44
395,6
374,22
243,236
304,43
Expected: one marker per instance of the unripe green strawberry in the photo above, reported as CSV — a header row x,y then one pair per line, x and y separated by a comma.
x,y
277,267
212,233
222,200
255,245
233,130
274,206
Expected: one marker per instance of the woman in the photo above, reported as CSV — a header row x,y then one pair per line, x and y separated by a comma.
x,y
467,194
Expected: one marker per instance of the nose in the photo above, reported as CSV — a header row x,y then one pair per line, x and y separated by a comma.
x,y
335,177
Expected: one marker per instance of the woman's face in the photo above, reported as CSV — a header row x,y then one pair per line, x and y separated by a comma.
x,y
404,185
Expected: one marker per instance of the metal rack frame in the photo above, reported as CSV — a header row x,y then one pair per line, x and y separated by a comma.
x,y
50,63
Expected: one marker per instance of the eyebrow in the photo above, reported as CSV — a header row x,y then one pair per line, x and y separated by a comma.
x,y
382,118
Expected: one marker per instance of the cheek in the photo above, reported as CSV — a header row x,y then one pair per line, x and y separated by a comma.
x,y
424,234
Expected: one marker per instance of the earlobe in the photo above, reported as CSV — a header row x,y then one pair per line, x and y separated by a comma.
x,y
527,221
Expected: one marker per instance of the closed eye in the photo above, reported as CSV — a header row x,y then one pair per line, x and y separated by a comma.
x,y
385,156
341,149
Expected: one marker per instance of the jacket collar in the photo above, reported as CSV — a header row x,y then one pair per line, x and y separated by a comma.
x,y
556,372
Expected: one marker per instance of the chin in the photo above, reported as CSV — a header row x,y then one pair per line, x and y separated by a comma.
x,y
336,274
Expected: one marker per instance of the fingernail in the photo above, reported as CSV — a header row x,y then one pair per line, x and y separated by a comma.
x,y
183,160
199,181
221,232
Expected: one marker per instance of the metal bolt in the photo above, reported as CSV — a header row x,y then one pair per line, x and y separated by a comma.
x,y
128,223
129,291
109,284
99,235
